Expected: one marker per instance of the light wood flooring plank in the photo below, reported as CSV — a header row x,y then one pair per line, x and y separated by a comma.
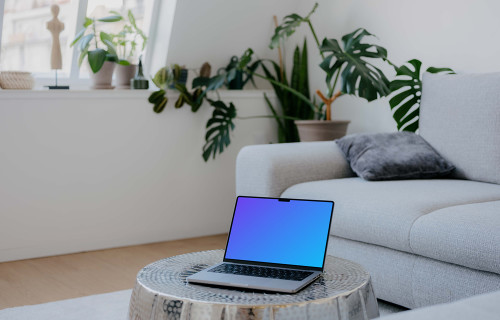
x,y
69,276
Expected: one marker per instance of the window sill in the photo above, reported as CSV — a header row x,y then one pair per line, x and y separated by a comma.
x,y
119,94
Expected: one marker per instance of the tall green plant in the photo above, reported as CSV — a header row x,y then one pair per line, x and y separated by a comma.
x,y
407,90
291,107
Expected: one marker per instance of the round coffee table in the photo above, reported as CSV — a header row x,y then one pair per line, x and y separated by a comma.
x,y
343,291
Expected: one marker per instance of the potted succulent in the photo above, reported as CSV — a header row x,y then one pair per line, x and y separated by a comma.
x,y
349,63
127,42
99,50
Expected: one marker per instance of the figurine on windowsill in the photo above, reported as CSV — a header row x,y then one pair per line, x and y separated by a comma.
x,y
55,26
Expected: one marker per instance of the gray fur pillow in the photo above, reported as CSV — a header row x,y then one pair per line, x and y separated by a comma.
x,y
393,156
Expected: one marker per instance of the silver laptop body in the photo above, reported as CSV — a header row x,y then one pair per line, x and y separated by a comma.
x,y
274,244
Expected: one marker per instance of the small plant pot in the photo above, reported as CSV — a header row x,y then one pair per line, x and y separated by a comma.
x,y
103,78
124,74
321,130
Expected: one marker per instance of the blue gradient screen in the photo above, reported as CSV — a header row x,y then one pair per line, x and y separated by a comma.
x,y
272,231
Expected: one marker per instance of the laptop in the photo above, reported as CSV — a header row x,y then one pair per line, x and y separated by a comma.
x,y
274,244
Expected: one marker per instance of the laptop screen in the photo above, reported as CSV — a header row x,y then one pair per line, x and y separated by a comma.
x,y
280,231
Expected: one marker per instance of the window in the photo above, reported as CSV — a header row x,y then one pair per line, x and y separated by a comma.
x,y
26,43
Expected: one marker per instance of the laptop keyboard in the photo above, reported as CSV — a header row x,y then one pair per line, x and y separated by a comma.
x,y
262,272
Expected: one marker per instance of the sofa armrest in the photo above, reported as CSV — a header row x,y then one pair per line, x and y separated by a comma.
x,y
268,170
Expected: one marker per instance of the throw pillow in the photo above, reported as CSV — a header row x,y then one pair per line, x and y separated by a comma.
x,y
393,156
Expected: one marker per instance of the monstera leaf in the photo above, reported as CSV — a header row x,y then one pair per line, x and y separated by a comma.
x,y
405,104
359,77
218,129
287,28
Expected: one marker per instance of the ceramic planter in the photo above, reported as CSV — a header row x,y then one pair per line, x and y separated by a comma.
x,y
124,74
102,79
321,130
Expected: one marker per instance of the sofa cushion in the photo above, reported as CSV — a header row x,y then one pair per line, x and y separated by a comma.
x,y
484,307
467,235
383,212
393,156
460,118
411,280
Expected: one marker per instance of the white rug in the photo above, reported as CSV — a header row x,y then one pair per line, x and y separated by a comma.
x,y
107,306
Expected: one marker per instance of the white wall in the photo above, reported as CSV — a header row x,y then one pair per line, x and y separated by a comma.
x,y
457,34
216,30
96,169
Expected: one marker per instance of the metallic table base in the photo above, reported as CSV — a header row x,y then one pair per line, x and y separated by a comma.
x,y
344,291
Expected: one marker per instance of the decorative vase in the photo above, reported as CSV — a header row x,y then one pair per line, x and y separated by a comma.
x,y
321,130
103,78
19,80
124,74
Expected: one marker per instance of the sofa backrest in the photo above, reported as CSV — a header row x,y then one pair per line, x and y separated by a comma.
x,y
460,118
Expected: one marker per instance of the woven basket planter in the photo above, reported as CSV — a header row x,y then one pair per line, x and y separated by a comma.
x,y
16,80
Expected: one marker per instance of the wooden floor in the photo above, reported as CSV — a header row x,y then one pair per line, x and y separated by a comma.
x,y
48,279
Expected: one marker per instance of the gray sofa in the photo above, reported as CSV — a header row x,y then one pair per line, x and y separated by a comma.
x,y
424,242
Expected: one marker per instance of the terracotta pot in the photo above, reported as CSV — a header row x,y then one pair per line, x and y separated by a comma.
x,y
102,79
321,130
124,74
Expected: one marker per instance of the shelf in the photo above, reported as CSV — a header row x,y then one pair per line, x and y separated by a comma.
x,y
119,94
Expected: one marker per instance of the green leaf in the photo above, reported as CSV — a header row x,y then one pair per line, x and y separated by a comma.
x,y
216,82
288,26
87,22
96,58
406,92
105,36
245,59
199,82
359,77
78,36
281,127
82,56
156,95
440,70
85,41
131,18
110,46
217,137
113,18
163,77
160,105
180,102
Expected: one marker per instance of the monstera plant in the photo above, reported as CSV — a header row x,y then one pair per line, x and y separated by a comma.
x,y
407,89
351,62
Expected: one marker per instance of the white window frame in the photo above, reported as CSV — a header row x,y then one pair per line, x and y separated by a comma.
x,y
74,79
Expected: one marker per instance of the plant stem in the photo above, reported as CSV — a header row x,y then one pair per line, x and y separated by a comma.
x,y
315,37
287,88
332,89
279,49
95,32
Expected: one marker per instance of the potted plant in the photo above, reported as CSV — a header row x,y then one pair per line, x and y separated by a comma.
x,y
127,42
99,50
349,63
